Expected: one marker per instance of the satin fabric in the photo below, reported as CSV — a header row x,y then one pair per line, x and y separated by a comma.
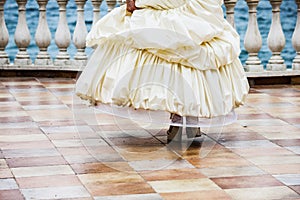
x,y
180,56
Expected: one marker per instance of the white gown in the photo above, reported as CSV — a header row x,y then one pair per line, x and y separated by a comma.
x,y
179,56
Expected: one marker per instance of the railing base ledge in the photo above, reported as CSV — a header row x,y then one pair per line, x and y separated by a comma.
x,y
288,76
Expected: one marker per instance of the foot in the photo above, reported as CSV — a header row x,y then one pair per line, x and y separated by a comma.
x,y
174,134
193,132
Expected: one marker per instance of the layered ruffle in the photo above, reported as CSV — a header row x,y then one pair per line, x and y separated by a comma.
x,y
120,75
194,34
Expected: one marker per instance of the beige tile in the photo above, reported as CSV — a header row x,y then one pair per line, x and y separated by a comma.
x,y
55,192
197,195
42,171
18,153
131,197
13,114
183,185
281,159
42,115
111,177
281,168
22,138
48,181
232,171
263,193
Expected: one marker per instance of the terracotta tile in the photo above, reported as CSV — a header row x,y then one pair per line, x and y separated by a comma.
x,y
185,185
237,136
88,168
2,99
292,120
197,195
246,182
116,141
161,153
119,189
15,119
55,192
277,192
288,179
42,171
40,102
10,108
281,168
232,171
35,161
51,181
159,164
285,143
172,174
11,195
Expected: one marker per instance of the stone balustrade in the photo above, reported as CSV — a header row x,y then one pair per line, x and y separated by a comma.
x,y
64,38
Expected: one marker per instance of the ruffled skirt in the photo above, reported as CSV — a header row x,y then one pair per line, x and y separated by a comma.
x,y
188,75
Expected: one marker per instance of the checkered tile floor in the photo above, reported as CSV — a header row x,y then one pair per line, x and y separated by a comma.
x,y
49,151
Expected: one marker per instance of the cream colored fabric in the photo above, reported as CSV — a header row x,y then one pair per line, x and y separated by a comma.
x,y
180,56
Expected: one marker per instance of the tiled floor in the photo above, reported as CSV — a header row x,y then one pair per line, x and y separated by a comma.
x,y
54,147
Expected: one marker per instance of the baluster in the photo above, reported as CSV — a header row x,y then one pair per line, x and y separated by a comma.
x,y
62,36
230,4
253,41
276,39
296,40
79,36
96,10
121,2
4,37
111,4
43,36
22,36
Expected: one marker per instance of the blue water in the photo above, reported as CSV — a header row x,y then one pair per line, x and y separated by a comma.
x,y
264,15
